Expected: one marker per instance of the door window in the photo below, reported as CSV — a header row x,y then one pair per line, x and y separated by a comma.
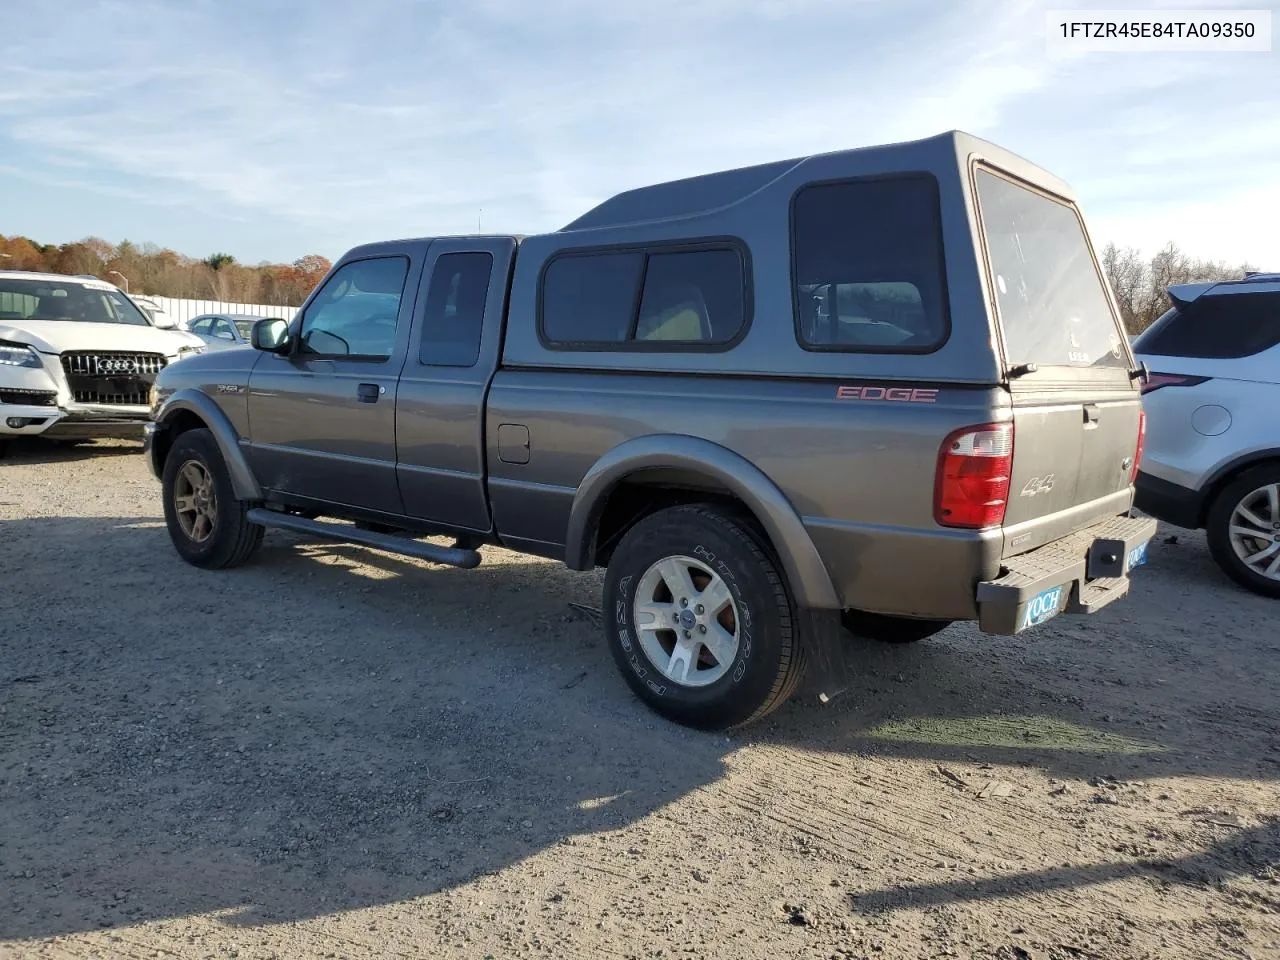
x,y
222,330
453,319
355,314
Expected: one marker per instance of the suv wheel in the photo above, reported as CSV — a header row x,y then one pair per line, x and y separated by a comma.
x,y
700,622
886,629
207,524
1244,530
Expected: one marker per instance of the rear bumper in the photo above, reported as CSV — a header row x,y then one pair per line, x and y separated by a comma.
x,y
1080,573
1168,501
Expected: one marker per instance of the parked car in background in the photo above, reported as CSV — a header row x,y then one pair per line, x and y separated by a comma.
x,y
223,330
156,313
882,387
1213,422
78,357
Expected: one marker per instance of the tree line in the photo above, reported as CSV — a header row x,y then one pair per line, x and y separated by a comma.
x,y
1139,284
161,272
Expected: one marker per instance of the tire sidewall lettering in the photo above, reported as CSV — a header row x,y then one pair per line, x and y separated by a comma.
x,y
744,609
628,641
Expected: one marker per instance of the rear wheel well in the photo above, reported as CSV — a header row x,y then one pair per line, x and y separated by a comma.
x,y
1228,477
646,492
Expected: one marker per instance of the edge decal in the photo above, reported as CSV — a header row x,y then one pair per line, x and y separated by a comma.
x,y
888,394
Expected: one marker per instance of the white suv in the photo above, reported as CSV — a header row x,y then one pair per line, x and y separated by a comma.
x,y
77,358
1212,398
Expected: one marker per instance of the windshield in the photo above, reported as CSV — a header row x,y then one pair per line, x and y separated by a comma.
x,y
56,299
1051,301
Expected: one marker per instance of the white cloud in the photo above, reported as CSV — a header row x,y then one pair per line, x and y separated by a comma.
x,y
397,118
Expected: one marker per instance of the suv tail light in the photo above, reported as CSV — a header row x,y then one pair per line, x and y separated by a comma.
x,y
974,466
1142,443
1155,381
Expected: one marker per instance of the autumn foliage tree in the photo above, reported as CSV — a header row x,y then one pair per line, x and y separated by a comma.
x,y
165,273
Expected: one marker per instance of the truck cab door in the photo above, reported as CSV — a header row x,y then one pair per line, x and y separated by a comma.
x,y
322,417
454,350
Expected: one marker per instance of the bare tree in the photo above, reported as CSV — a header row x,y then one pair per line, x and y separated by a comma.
x,y
1127,274
1142,287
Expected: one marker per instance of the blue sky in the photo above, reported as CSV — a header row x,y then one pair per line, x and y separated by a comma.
x,y
275,128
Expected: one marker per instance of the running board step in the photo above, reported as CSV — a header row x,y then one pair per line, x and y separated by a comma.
x,y
392,543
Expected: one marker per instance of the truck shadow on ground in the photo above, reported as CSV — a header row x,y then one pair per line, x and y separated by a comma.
x,y
330,728
23,451
1253,851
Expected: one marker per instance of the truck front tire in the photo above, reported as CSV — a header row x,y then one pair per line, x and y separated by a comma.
x,y
207,524
698,617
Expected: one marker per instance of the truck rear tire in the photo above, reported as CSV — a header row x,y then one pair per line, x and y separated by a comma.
x,y
1243,529
886,629
699,619
207,524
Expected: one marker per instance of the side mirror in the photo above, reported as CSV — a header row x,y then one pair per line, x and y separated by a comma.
x,y
164,322
271,335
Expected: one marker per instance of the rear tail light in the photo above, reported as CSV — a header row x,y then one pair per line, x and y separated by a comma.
x,y
1155,381
972,486
1142,443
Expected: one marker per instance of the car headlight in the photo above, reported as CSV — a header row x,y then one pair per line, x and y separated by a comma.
x,y
18,355
190,351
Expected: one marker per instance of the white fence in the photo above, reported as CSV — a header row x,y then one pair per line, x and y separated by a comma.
x,y
184,311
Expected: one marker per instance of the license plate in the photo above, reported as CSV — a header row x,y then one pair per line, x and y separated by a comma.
x,y
1045,605
1137,557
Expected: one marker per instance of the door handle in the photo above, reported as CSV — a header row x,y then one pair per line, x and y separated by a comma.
x,y
1091,413
368,392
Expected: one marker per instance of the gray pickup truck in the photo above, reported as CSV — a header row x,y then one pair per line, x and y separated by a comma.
x,y
878,391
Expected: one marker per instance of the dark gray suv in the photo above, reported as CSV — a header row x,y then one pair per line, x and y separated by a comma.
x,y
884,389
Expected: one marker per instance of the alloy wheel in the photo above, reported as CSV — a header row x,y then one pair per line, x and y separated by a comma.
x,y
687,621
194,501
1255,531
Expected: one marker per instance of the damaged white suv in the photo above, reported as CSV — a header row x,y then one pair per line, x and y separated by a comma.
x,y
77,358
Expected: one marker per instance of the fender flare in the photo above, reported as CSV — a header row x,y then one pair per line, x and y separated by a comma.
x,y
190,400
807,575
1222,474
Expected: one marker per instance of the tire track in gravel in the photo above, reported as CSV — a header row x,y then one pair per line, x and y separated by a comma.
x,y
690,844
883,806
889,822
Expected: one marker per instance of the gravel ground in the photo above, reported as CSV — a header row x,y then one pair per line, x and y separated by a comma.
x,y
334,752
